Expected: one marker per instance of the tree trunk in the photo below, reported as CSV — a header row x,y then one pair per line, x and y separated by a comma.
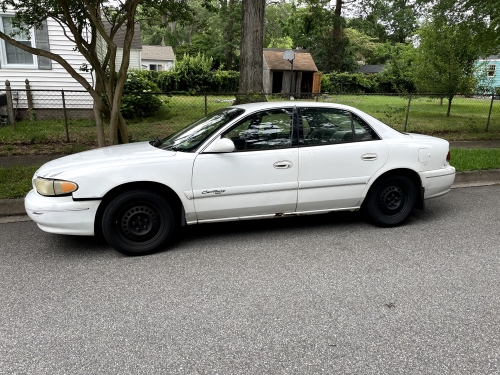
x,y
98,118
337,35
251,87
229,36
449,106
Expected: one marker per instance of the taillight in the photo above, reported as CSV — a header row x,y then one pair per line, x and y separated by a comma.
x,y
448,157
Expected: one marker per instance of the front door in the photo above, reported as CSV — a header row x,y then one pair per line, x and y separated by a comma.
x,y
259,178
338,154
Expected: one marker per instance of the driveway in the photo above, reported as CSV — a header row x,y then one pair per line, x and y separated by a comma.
x,y
323,294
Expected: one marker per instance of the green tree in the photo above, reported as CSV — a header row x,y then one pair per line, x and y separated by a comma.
x,y
398,75
91,25
445,60
319,27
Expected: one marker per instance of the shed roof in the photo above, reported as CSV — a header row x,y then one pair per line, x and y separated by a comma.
x,y
370,69
163,53
303,60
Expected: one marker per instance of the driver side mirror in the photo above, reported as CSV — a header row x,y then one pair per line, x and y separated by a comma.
x,y
221,145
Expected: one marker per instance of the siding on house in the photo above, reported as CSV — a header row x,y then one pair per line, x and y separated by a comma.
x,y
495,61
135,59
57,77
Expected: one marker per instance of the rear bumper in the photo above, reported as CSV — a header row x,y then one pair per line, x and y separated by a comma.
x,y
61,215
437,182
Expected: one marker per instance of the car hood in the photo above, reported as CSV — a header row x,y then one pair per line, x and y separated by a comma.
x,y
106,157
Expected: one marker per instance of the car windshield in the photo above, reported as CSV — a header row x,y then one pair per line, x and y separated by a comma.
x,y
189,138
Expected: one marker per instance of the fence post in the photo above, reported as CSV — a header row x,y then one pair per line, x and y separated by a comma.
x,y
65,116
29,97
206,109
407,111
10,104
489,113
317,96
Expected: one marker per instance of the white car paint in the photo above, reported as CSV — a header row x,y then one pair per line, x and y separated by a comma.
x,y
241,185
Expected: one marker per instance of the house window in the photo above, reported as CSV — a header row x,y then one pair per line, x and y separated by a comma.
x,y
491,70
13,56
156,67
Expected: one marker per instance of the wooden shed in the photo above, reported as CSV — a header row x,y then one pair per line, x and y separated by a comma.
x,y
305,77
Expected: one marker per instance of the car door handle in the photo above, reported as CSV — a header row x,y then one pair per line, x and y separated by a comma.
x,y
284,164
369,157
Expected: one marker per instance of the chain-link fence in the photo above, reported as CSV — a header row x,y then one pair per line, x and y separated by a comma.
x,y
38,116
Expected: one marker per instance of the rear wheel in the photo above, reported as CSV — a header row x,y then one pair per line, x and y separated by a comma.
x,y
138,222
391,201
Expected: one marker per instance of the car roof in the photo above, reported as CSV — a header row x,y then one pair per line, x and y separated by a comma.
x,y
267,105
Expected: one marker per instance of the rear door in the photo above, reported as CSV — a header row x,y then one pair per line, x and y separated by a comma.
x,y
338,154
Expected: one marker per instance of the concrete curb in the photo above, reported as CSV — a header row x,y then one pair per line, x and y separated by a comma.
x,y
15,207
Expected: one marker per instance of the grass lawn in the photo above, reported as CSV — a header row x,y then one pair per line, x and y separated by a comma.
x,y
475,159
15,182
427,116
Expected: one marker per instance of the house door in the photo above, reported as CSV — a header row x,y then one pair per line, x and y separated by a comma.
x,y
277,82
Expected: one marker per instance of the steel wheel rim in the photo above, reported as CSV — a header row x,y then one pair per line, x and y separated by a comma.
x,y
139,223
393,200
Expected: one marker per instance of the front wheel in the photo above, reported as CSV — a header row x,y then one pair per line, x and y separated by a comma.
x,y
138,222
391,201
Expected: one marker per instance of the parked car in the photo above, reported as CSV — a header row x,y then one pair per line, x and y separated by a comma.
x,y
250,161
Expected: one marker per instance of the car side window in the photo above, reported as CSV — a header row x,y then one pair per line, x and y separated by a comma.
x,y
331,126
326,126
266,130
362,131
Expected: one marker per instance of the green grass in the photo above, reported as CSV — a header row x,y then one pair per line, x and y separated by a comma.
x,y
427,116
15,182
475,159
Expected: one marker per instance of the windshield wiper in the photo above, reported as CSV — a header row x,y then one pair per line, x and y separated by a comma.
x,y
157,142
171,148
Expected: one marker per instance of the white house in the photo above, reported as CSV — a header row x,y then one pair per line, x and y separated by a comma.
x,y
157,58
17,65
135,47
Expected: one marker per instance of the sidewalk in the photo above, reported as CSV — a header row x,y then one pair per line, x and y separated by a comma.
x,y
13,207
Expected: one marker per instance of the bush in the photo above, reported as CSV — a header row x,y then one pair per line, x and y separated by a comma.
x,y
137,100
225,81
354,83
194,74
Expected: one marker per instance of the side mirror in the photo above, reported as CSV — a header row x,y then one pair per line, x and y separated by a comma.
x,y
221,145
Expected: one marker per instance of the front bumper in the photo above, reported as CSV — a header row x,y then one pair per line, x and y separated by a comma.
x,y
62,215
437,182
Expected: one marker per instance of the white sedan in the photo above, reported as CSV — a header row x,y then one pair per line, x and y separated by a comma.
x,y
250,161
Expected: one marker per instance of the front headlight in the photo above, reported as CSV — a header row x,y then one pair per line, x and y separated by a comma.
x,y
54,187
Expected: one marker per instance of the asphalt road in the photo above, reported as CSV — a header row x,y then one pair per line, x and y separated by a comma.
x,y
329,294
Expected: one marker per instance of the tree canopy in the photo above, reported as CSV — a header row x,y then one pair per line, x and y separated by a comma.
x,y
92,25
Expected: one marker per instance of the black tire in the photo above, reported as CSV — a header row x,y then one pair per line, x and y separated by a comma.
x,y
391,201
138,222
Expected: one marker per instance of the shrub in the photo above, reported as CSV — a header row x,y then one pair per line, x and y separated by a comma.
x,y
224,81
137,100
348,83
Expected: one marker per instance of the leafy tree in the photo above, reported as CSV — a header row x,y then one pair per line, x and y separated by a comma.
x,y
320,28
446,58
398,75
92,25
482,17
361,45
214,30
277,14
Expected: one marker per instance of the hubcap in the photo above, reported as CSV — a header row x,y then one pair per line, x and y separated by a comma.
x,y
139,223
392,200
